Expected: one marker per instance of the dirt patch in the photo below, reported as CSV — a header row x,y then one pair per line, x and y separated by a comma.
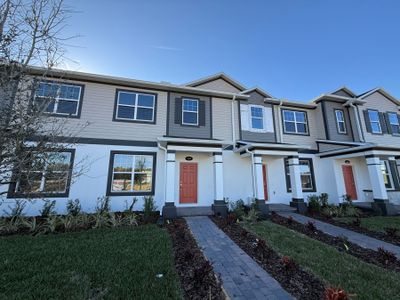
x,y
293,279
198,279
379,258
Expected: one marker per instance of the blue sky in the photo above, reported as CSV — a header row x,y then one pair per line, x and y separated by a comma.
x,y
293,49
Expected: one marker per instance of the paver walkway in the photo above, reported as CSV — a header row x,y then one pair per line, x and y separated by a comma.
x,y
354,237
242,277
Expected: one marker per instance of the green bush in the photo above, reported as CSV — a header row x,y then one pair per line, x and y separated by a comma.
x,y
330,211
103,205
73,207
252,216
323,199
149,206
238,208
48,208
313,203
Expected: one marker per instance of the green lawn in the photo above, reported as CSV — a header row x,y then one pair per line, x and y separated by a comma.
x,y
335,268
96,264
375,223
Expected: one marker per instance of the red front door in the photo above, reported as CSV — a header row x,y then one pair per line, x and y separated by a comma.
x,y
188,183
349,181
264,168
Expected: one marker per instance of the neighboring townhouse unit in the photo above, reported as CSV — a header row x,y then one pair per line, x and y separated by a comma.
x,y
196,146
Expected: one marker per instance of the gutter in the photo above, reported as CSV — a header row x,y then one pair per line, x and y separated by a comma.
x,y
359,132
165,167
233,120
280,124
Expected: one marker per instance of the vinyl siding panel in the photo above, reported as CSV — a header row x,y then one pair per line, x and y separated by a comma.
x,y
303,140
97,112
219,85
222,118
334,135
320,123
379,102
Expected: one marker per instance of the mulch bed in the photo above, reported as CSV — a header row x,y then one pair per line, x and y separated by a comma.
x,y
374,234
381,259
293,279
198,279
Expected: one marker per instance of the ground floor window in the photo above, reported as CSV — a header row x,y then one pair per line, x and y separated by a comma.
x,y
387,175
306,175
131,173
44,174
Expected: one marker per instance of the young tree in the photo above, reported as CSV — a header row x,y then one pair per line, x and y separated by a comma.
x,y
31,40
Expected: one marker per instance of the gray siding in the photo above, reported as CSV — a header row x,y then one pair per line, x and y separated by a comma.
x,y
330,118
266,137
329,147
219,85
176,129
222,119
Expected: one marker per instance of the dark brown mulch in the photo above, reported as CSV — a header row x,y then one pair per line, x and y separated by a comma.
x,y
395,240
198,279
293,279
341,244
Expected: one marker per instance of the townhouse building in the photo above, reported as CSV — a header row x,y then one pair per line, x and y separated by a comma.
x,y
195,146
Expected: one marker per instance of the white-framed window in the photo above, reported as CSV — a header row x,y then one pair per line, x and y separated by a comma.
x,y
374,121
46,174
135,106
58,98
340,122
190,111
387,175
257,117
393,122
295,121
131,173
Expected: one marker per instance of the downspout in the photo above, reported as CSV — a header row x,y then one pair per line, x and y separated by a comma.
x,y
165,168
233,120
360,135
280,121
252,172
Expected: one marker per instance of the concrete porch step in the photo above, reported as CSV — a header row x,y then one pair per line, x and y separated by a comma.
x,y
280,208
194,211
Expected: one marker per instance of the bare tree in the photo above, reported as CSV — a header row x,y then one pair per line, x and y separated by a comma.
x,y
30,138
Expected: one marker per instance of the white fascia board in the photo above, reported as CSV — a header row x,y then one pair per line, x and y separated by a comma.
x,y
194,149
193,141
276,152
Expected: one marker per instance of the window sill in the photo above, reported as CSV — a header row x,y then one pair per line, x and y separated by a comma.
x,y
149,193
134,121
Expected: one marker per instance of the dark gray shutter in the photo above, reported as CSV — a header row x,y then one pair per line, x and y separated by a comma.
x,y
178,110
383,123
202,113
395,175
388,126
367,121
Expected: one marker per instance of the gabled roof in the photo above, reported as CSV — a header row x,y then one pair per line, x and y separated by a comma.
x,y
344,89
382,91
220,75
258,90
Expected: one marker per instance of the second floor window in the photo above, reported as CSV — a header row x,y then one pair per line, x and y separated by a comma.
x,y
257,117
374,121
135,106
340,122
295,122
58,98
393,121
190,111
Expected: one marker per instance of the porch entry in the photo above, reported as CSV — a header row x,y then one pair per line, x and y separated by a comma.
x,y
349,181
264,169
188,183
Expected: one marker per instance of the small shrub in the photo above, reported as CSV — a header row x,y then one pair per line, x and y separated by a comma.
x,y
68,222
73,207
391,231
332,293
238,208
290,220
130,220
17,210
323,199
48,208
103,205
348,210
10,226
252,216
386,256
356,222
149,206
101,220
31,224
313,204
129,209
288,263
330,211
51,224
311,226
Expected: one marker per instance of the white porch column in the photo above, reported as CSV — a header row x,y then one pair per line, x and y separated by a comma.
x,y
375,176
258,177
295,179
218,176
169,209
